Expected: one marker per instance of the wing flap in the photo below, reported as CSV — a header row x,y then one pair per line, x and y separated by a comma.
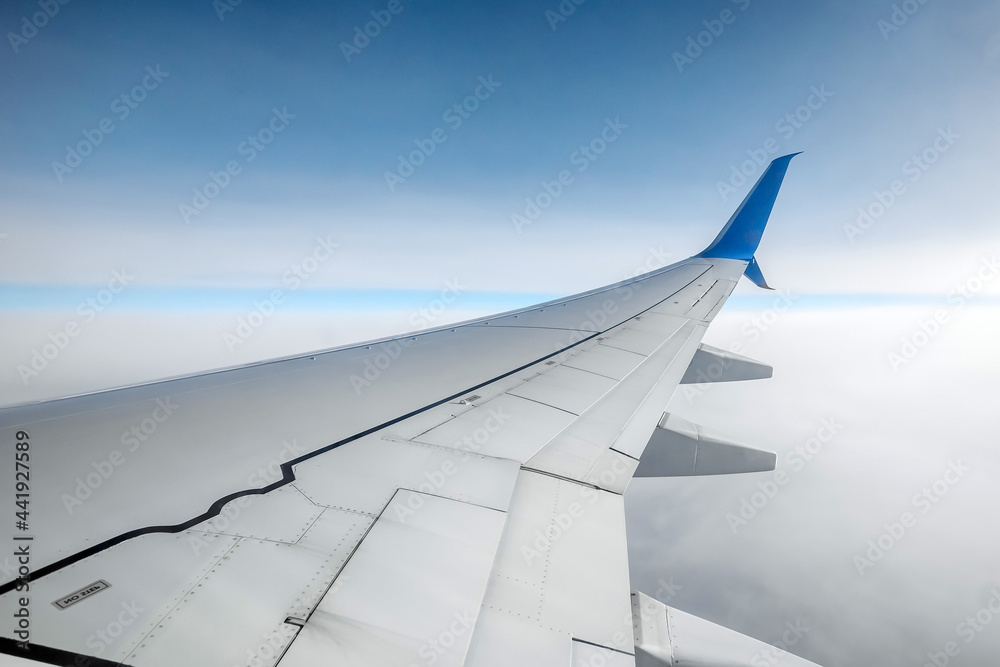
x,y
710,364
680,448
362,476
566,388
576,451
413,588
558,575
506,426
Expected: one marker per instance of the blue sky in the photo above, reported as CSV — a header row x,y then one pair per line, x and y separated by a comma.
x,y
884,98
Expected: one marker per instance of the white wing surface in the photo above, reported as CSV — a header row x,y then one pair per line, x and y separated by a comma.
x,y
452,497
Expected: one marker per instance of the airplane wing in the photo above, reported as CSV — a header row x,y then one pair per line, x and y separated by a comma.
x,y
449,497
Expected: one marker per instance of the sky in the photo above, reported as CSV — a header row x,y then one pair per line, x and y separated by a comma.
x,y
165,168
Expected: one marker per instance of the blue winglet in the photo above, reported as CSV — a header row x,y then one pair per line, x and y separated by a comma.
x,y
741,235
753,273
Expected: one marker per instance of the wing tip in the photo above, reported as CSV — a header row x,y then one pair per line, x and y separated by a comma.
x,y
741,235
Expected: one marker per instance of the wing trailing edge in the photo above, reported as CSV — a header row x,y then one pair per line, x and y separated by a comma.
x,y
665,636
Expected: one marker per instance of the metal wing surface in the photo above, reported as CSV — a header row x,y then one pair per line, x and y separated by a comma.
x,y
450,497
